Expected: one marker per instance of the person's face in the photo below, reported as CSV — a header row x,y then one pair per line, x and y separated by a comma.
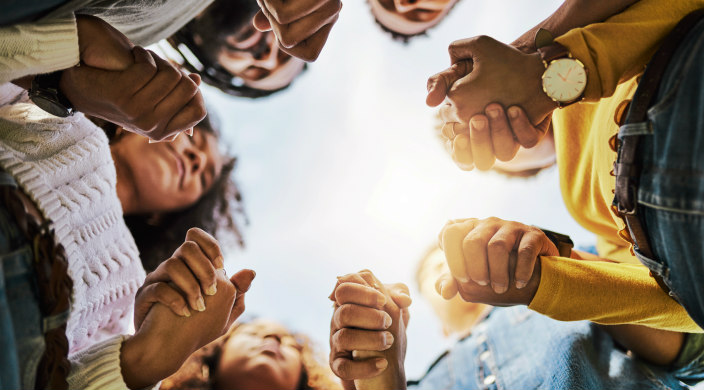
x,y
410,17
260,355
456,315
258,60
166,176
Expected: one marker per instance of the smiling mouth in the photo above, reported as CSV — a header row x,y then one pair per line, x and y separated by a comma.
x,y
180,166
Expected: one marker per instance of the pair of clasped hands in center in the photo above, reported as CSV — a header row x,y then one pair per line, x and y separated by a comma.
x,y
492,104
143,93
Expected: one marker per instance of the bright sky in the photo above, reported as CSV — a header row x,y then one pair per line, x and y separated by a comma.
x,y
344,171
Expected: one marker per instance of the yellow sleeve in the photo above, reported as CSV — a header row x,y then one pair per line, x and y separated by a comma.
x,y
606,293
620,47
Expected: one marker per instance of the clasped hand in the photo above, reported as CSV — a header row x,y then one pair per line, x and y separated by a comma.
x,y
485,77
130,86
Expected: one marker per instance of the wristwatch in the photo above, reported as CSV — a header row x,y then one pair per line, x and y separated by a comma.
x,y
45,93
563,242
565,78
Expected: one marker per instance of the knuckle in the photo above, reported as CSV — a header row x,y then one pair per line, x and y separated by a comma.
x,y
189,247
499,245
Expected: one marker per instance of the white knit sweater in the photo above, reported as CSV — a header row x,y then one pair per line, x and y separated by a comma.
x,y
51,44
65,166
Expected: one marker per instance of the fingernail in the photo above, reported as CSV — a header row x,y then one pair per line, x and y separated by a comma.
x,y
200,304
381,364
388,339
520,284
442,288
494,114
482,282
499,288
186,312
478,124
513,112
463,280
219,262
212,289
387,320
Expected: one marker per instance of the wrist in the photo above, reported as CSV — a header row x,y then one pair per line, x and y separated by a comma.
x,y
143,364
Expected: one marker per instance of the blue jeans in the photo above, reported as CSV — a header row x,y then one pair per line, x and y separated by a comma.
x,y
671,192
21,337
516,348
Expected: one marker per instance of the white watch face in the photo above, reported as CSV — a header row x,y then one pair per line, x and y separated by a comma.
x,y
564,80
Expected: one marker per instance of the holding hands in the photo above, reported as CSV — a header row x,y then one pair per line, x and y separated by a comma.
x,y
368,332
193,278
302,26
492,261
485,77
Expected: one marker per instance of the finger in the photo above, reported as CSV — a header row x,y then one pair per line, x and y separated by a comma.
x,y
162,84
371,280
260,22
309,49
400,294
503,142
347,369
498,250
184,106
480,139
474,249
175,271
347,339
438,84
462,152
446,286
530,247
285,12
355,316
208,244
359,295
526,134
452,239
237,309
199,264
349,278
196,78
448,224
141,72
243,280
464,49
160,292
296,31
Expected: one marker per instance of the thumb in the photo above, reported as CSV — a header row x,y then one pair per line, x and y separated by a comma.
x,y
260,22
439,84
243,280
399,294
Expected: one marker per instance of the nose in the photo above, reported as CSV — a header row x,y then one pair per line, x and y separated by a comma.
x,y
403,6
268,56
197,159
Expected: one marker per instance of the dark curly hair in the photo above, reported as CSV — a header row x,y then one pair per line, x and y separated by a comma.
x,y
216,212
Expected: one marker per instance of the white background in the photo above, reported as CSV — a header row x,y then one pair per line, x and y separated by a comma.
x,y
343,171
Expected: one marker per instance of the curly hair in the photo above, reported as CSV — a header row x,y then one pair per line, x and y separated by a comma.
x,y
198,372
215,212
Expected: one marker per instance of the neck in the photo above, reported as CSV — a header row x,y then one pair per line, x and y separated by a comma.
x,y
124,192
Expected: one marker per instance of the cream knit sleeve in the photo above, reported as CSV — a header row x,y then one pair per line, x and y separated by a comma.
x,y
36,48
98,366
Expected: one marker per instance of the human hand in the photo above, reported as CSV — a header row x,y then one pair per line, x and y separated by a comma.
x,y
143,93
165,341
182,280
484,71
302,26
492,261
489,136
368,332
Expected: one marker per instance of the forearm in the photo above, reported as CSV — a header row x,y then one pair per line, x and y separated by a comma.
x,y
572,14
656,346
606,293
393,377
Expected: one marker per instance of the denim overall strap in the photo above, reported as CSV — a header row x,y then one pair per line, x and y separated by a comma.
x,y
627,167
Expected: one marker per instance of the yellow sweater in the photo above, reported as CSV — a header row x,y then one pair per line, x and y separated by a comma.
x,y
620,291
